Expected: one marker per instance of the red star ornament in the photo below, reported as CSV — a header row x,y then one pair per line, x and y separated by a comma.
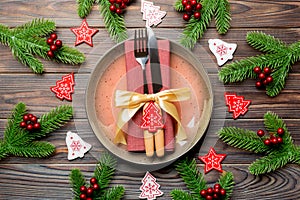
x,y
64,88
236,104
212,160
84,33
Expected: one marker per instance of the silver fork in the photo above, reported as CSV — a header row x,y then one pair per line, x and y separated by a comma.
x,y
141,52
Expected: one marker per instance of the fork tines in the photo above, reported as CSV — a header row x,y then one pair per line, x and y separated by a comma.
x,y
140,41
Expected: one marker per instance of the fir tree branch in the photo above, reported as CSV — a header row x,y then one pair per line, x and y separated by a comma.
x,y
69,55
222,16
84,7
178,6
265,43
196,27
3,150
33,149
181,195
114,193
244,139
114,23
191,176
77,180
227,183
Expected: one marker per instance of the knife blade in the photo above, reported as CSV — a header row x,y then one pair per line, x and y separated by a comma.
x,y
154,61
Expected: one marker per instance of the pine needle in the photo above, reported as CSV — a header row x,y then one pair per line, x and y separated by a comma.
x,y
77,180
84,7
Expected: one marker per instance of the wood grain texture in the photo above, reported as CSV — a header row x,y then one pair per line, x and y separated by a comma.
x,y
28,178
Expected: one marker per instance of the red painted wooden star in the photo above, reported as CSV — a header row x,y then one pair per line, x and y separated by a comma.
x,y
212,160
84,33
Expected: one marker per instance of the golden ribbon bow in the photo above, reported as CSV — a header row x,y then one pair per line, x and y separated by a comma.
x,y
131,102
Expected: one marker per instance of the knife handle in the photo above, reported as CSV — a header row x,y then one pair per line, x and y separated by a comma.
x,y
159,139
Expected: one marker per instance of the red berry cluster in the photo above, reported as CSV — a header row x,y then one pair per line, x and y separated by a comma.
x,y
118,6
192,7
30,122
54,44
213,193
87,193
272,140
264,76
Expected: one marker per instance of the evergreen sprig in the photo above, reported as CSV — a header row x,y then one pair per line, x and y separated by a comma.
x,y
195,181
275,156
27,41
278,56
114,23
18,141
104,172
195,28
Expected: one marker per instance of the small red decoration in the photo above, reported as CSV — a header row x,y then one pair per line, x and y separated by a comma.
x,y
192,8
152,118
237,104
87,193
65,87
213,193
118,6
84,33
264,77
54,45
273,139
30,122
212,160
150,188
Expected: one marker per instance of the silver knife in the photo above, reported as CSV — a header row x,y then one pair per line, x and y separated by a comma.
x,y
154,61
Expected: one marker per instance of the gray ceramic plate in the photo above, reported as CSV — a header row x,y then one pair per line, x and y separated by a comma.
x,y
109,75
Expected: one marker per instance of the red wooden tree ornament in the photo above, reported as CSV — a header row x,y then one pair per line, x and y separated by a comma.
x,y
152,119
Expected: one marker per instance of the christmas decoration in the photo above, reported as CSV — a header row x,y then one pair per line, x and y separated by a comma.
x,y
65,87
212,160
195,28
236,104
98,187
76,146
150,188
197,185
191,8
118,6
27,40
152,118
279,58
223,51
264,76
19,141
152,14
84,33
30,122
54,44
276,156
114,22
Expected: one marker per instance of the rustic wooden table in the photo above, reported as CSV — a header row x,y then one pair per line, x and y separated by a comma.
x,y
23,178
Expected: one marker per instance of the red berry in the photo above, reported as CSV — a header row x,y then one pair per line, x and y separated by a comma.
x,y
23,124
267,142
58,43
186,17
265,82
89,191
26,118
260,133
188,8
83,189
223,192
112,8
50,41
258,84
93,180
279,140
126,2
198,6
29,127
33,119
208,197
119,1
50,54
210,191
203,193
53,36
269,79
119,11
216,190
89,198
96,187
82,196
193,2
36,126
280,131
30,116
184,2
267,70
53,47
257,70
197,15
261,76
112,1
217,186
123,6
215,196
274,140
